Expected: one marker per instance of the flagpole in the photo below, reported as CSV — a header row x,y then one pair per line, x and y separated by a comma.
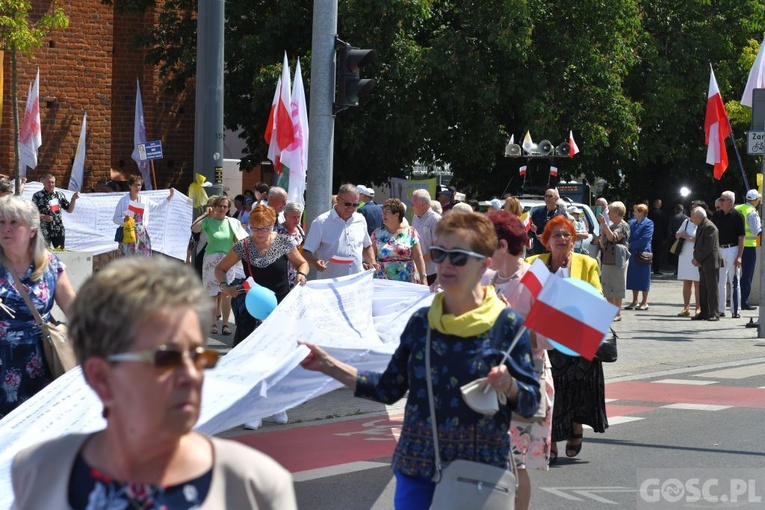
x,y
738,156
516,339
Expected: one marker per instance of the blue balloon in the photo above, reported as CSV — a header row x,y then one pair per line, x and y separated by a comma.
x,y
260,302
562,348
592,290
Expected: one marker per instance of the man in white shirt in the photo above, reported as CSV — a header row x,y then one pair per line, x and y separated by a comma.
x,y
424,222
338,243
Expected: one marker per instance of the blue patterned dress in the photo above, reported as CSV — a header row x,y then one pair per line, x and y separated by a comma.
x,y
455,361
394,254
24,372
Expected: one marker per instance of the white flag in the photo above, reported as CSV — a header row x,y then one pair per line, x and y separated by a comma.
x,y
139,136
78,167
756,77
30,134
295,157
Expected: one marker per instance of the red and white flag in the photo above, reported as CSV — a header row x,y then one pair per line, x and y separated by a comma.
x,y
756,77
716,129
248,284
536,277
30,134
295,157
54,205
341,260
280,127
553,171
135,207
522,170
569,314
572,143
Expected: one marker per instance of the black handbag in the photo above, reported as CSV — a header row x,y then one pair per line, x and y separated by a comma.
x,y
119,234
645,258
607,352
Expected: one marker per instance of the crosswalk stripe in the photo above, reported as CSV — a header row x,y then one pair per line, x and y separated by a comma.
x,y
696,407
340,469
691,382
735,373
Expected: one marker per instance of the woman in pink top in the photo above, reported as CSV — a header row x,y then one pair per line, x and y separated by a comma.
x,y
530,441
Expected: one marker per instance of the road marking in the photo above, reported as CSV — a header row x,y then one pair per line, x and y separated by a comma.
x,y
340,469
609,400
696,407
691,382
586,492
619,420
735,373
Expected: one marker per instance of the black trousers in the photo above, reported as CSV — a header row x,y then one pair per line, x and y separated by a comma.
x,y
708,292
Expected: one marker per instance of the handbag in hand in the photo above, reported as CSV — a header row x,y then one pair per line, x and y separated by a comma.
x,y
465,484
607,352
57,349
677,246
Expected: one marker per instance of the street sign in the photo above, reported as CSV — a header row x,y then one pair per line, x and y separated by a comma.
x,y
150,150
755,142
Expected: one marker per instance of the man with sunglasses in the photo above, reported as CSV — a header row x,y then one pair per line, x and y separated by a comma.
x,y
338,243
540,215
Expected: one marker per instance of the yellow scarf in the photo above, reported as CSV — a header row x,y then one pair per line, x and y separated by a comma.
x,y
472,323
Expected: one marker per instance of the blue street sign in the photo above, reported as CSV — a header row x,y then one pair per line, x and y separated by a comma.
x,y
150,150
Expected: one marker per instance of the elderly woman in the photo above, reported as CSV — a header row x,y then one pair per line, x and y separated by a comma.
x,y
293,211
23,253
638,273
221,231
397,247
513,205
686,271
530,441
140,212
138,330
580,396
470,328
614,254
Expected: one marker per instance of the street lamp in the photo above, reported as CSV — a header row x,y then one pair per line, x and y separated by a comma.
x,y
684,192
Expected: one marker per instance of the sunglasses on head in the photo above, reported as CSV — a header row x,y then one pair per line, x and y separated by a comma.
x,y
171,357
457,256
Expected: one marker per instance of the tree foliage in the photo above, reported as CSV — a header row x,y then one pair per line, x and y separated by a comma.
x,y
456,78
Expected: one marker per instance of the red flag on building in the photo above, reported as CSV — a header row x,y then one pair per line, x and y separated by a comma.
x,y
716,128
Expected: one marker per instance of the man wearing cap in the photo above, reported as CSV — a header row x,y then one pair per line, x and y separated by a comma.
x,y
752,231
444,198
369,209
730,225
581,228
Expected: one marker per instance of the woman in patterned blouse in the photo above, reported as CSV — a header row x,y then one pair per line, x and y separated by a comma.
x,y
470,328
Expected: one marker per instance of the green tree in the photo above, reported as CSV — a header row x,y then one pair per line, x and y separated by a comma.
x,y
20,34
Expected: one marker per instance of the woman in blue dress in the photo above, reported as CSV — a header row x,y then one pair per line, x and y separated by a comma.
x,y
639,275
23,371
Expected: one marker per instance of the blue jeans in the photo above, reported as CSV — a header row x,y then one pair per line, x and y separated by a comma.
x,y
748,260
413,493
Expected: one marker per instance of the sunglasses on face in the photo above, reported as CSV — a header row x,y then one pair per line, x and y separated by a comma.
x,y
457,256
171,357
350,204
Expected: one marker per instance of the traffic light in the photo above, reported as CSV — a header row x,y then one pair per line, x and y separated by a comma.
x,y
350,85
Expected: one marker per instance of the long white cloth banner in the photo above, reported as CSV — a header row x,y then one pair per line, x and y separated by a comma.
x,y
357,318
90,227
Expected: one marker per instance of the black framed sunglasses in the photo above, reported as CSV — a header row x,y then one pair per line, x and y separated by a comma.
x,y
169,356
351,204
457,256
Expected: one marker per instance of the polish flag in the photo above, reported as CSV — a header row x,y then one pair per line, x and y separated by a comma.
x,y
756,77
30,133
536,277
526,221
553,171
716,129
522,170
136,207
344,261
571,314
572,143
279,130
53,205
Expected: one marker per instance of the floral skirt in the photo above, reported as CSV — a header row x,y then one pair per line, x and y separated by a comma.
x,y
142,245
211,260
530,442
23,370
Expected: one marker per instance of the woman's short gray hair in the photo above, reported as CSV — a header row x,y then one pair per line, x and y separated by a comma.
x,y
293,207
619,207
14,207
113,304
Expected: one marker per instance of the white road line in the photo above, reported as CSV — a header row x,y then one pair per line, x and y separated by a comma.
x,y
619,420
696,407
691,382
340,469
735,373
609,400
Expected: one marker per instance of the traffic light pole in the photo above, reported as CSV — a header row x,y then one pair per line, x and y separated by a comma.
x,y
321,120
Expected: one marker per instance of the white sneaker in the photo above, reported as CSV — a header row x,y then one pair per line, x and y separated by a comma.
x,y
254,424
281,418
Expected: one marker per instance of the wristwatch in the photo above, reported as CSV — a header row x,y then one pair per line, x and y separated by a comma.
x,y
221,285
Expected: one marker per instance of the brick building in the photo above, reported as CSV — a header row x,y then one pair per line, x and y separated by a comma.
x,y
92,66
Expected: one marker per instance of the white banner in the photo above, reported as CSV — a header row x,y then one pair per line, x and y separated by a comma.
x,y
90,227
356,318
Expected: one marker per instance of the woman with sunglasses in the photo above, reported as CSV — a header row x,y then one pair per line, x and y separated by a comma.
x,y
469,329
138,330
530,440
580,396
221,231
397,247
139,212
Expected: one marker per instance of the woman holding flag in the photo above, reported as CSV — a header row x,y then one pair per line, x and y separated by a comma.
x,y
530,440
580,396
133,209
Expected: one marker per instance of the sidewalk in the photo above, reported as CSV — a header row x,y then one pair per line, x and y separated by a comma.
x,y
650,341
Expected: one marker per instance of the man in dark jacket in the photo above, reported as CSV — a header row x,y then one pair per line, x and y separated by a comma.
x,y
658,241
540,215
371,211
706,256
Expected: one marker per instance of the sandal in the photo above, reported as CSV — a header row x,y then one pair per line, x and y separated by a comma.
x,y
214,329
641,307
225,330
572,450
684,313
631,306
